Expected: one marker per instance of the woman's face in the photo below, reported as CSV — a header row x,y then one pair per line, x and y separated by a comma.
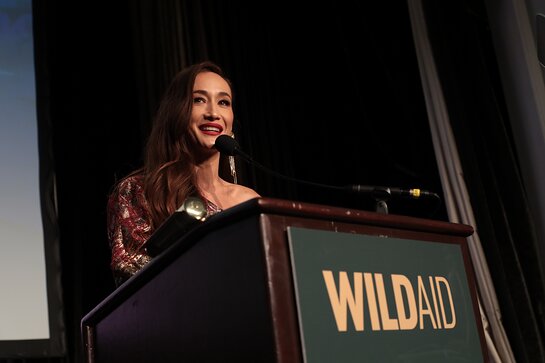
x,y
212,111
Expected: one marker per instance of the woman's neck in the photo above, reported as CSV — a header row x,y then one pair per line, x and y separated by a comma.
x,y
207,172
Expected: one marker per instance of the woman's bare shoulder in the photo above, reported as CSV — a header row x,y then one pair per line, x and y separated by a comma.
x,y
240,193
234,194
246,192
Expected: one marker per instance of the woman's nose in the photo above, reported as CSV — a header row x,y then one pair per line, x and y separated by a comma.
x,y
211,111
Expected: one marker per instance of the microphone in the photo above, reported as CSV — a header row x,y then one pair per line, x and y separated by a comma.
x,y
390,191
229,146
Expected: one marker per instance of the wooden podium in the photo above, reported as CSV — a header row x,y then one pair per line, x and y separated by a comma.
x,y
234,289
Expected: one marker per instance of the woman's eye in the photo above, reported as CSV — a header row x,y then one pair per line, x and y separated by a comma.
x,y
225,102
198,100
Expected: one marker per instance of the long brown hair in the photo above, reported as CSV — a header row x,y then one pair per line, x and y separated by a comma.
x,y
168,170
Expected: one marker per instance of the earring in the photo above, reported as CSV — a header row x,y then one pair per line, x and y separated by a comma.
x,y
232,165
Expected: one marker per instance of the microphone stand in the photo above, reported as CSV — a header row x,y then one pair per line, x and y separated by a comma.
x,y
381,197
381,207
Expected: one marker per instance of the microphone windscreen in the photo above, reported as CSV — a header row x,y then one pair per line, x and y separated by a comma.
x,y
226,145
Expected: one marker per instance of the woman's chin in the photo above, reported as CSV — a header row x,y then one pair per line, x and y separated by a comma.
x,y
209,147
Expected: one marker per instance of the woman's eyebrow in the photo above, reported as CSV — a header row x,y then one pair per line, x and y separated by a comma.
x,y
204,92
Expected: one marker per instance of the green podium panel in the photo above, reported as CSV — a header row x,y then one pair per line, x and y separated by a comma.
x,y
381,299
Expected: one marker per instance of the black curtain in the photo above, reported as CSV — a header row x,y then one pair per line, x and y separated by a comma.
x,y
468,71
86,73
329,94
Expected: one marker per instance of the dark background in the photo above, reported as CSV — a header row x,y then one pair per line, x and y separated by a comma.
x,y
328,93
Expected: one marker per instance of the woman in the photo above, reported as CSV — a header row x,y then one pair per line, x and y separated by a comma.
x,y
180,161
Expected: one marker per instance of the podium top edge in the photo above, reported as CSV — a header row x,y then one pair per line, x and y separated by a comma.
x,y
348,215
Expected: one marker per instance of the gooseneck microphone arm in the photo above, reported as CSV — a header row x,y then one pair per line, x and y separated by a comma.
x,y
229,146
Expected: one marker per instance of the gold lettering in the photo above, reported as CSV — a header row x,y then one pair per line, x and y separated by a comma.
x,y
444,281
371,300
434,296
339,300
387,322
422,295
399,283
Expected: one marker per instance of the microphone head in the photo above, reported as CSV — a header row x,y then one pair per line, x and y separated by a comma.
x,y
226,145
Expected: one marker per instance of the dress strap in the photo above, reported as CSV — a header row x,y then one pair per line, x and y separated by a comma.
x,y
212,208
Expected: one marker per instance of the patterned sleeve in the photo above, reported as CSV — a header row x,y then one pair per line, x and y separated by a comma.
x,y
128,228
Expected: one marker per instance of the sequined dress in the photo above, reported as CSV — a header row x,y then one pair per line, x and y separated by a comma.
x,y
128,228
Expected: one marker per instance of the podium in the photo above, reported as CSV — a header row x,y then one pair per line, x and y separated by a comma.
x,y
274,280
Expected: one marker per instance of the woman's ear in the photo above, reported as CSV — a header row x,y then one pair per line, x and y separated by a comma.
x,y
235,127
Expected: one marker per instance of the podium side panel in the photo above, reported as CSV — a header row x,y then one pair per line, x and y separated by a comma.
x,y
210,304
